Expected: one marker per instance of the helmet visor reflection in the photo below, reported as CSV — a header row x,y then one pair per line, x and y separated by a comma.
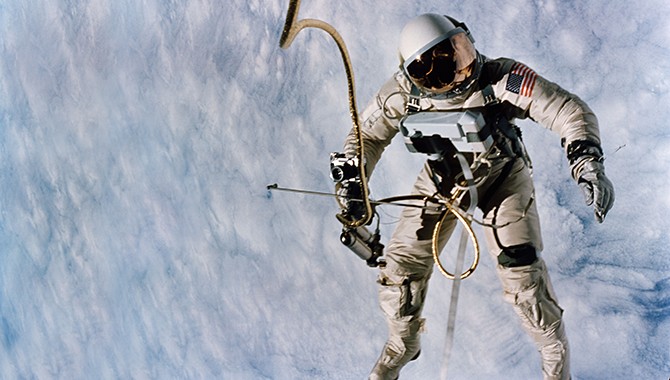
x,y
441,54
443,66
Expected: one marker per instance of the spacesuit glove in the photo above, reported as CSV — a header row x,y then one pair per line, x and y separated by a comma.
x,y
350,196
597,188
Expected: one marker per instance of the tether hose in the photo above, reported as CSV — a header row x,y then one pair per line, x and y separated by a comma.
x,y
292,27
436,238
449,209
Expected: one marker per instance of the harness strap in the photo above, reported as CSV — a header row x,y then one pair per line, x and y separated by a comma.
x,y
414,101
498,122
489,96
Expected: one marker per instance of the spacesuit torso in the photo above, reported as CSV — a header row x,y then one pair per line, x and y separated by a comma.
x,y
516,90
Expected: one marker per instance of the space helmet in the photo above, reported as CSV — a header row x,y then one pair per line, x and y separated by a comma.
x,y
438,55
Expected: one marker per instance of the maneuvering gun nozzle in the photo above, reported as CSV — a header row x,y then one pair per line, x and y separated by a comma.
x,y
364,244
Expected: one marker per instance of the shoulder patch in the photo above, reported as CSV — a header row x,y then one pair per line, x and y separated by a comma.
x,y
521,80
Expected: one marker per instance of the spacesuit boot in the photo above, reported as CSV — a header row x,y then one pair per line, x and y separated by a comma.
x,y
528,288
396,353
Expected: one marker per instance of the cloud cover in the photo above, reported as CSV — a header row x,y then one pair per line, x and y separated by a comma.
x,y
139,240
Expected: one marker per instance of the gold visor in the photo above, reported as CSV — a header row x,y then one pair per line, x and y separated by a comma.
x,y
443,66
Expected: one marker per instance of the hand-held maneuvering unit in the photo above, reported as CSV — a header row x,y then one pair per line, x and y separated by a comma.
x,y
345,172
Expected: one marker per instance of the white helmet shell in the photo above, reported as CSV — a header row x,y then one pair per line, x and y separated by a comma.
x,y
423,32
438,55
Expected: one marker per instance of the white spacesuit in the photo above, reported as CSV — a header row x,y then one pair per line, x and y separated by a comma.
x,y
442,72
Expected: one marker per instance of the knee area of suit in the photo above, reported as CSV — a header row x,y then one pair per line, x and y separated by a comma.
x,y
517,256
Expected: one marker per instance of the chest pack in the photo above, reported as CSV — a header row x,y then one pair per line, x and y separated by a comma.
x,y
480,132
464,130
443,131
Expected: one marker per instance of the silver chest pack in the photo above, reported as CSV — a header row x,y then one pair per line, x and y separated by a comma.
x,y
470,133
436,132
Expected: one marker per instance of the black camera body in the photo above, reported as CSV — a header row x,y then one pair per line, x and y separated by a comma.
x,y
343,168
345,172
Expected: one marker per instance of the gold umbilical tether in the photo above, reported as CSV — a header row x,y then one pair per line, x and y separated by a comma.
x,y
291,29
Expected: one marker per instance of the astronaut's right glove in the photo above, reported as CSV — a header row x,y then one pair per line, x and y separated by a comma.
x,y
586,160
345,172
350,198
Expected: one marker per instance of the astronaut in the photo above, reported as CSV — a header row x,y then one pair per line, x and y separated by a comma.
x,y
441,71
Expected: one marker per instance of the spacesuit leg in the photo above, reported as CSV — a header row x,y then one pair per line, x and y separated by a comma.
x,y
515,243
404,283
528,288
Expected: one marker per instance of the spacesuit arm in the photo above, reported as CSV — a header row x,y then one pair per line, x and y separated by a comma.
x,y
564,113
379,124
544,102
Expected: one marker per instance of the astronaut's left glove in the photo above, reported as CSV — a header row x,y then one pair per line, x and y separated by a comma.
x,y
597,188
586,160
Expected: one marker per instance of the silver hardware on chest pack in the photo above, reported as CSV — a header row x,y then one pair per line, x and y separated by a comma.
x,y
466,130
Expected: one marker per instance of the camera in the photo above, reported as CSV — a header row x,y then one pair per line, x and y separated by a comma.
x,y
343,168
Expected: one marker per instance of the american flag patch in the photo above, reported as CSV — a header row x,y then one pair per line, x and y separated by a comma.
x,y
521,80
